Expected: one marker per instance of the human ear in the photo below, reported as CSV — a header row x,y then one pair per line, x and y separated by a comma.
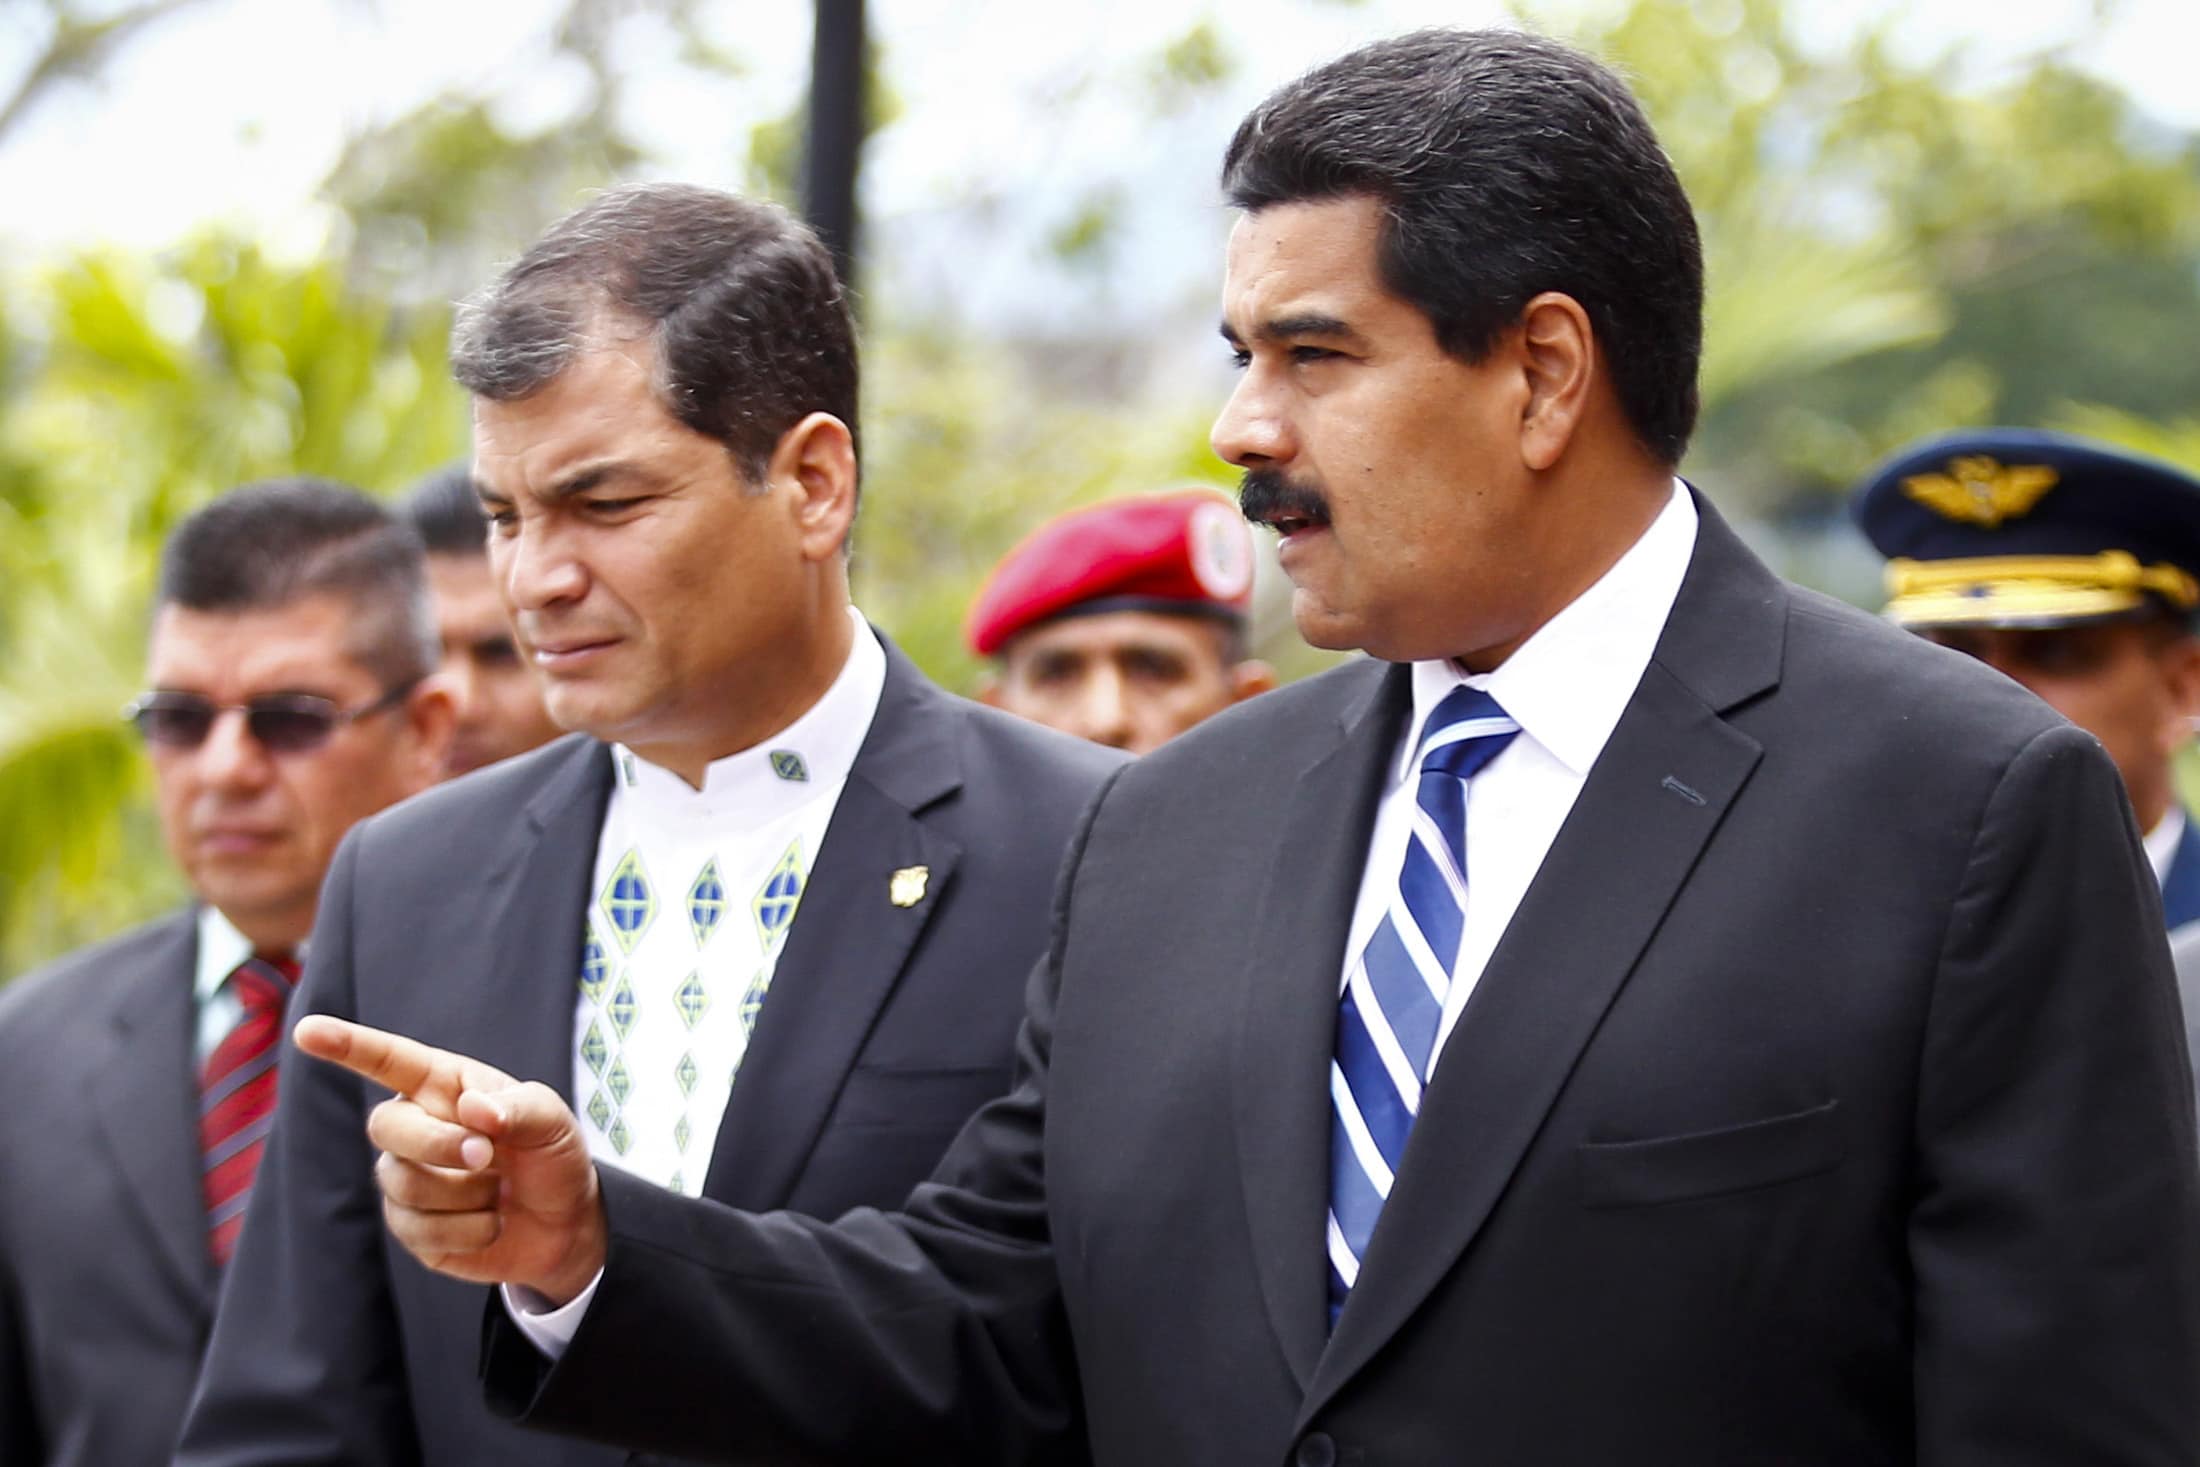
x,y
2180,664
817,456
430,712
1558,354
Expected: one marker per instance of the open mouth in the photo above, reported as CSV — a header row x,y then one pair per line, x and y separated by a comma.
x,y
1268,498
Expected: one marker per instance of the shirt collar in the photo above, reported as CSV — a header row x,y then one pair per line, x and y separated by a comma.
x,y
808,758
1568,684
2161,841
222,950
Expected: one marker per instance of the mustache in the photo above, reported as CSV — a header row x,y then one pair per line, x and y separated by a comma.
x,y
1266,496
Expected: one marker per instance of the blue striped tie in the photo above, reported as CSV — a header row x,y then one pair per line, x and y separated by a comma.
x,y
1394,996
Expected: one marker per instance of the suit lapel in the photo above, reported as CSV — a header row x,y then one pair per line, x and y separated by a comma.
x,y
1652,801
145,1094
848,945
1280,1089
540,894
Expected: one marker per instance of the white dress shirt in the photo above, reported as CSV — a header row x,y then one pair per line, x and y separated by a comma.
x,y
2161,841
1566,687
222,950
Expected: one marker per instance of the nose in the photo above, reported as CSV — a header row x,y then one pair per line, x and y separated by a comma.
x,y
536,568
231,759
1251,432
1103,709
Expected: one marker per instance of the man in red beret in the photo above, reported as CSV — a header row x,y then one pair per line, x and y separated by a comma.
x,y
1123,623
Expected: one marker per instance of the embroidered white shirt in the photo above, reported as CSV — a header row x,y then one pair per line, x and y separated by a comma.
x,y
692,901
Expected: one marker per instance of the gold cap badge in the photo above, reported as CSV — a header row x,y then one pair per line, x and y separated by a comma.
x,y
1980,490
905,888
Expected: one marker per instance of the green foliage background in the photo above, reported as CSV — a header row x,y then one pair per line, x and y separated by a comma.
x,y
1893,250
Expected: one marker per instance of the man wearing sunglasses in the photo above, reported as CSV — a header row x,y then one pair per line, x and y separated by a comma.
x,y
286,700
767,926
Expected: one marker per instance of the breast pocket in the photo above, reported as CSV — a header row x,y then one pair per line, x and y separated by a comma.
x,y
915,1099
1711,1163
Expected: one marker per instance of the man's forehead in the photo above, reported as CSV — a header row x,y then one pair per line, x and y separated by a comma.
x,y
1303,243
301,645
1302,260
1109,633
604,403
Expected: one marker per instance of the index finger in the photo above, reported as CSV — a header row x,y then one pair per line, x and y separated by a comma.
x,y
391,1060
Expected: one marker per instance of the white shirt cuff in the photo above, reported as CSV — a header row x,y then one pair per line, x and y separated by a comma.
x,y
549,1328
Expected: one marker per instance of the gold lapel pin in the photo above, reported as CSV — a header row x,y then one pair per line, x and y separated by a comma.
x,y
905,888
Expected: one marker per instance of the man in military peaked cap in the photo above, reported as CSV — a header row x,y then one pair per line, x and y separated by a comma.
x,y
2074,568
1123,622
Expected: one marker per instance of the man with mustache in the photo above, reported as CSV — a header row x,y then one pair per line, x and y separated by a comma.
x,y
289,697
1646,1013
766,917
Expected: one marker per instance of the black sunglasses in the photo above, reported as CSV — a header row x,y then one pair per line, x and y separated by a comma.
x,y
281,723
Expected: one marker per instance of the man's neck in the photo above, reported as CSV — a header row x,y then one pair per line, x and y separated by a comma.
x,y
816,665
1580,546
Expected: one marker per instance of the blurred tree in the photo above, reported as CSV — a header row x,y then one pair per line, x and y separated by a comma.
x,y
1894,250
72,41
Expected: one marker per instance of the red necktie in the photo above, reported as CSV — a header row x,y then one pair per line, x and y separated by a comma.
x,y
237,1097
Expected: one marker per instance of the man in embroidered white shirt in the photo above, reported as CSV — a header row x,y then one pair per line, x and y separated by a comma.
x,y
1648,1013
288,698
766,922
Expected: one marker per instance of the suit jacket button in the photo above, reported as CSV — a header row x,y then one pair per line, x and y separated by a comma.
x,y
1316,1449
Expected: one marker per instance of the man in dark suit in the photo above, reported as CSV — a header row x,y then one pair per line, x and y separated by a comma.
x,y
500,710
132,1074
1664,1016
767,924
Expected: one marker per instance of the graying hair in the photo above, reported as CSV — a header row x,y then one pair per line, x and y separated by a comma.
x,y
749,326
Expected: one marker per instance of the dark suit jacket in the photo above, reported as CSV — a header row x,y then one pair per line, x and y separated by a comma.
x,y
457,918
1823,1104
106,1286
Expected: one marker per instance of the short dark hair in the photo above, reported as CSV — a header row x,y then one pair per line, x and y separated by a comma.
x,y
751,326
1507,165
270,544
445,513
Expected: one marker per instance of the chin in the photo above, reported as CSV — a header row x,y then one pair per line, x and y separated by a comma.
x,y
1330,629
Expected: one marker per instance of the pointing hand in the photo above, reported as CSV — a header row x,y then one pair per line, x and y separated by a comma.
x,y
483,1178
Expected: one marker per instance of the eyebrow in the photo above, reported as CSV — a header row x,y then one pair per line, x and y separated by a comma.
x,y
1292,328
580,481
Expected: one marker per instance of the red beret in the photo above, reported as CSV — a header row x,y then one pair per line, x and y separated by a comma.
x,y
1187,551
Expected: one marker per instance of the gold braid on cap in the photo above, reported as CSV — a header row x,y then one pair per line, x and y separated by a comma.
x,y
1983,587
